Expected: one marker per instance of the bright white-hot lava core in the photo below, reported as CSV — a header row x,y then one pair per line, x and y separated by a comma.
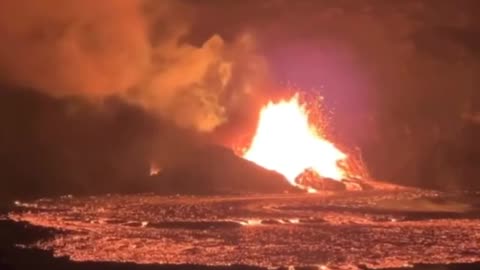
x,y
287,143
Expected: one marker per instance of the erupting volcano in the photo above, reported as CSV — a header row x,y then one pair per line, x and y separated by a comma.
x,y
287,142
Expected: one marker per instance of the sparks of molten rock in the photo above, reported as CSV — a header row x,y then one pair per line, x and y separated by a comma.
x,y
287,143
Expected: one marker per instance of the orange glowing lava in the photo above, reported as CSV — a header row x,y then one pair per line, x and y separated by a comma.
x,y
287,143
154,169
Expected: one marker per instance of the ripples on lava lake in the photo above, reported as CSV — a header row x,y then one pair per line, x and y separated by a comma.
x,y
376,229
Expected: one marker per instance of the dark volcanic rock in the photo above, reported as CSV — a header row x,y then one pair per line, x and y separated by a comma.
x,y
215,169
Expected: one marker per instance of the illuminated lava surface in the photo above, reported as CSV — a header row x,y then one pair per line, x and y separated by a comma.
x,y
337,230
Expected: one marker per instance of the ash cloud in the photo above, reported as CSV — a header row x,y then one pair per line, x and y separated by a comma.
x,y
133,49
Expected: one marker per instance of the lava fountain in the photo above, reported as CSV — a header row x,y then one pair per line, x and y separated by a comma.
x,y
286,142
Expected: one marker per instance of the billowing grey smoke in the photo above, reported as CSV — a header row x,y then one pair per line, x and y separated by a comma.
x,y
134,49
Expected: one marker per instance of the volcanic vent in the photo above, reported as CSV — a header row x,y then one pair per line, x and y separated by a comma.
x,y
291,139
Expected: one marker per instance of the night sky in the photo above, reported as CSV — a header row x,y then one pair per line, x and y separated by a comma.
x,y
92,91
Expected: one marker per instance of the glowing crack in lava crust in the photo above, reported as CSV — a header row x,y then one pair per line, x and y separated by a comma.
x,y
286,142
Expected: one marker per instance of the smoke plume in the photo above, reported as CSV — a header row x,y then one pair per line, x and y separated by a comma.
x,y
134,49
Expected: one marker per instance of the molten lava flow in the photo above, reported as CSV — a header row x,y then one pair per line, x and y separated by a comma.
x,y
286,142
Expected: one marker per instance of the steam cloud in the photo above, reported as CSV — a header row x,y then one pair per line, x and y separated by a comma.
x,y
134,49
